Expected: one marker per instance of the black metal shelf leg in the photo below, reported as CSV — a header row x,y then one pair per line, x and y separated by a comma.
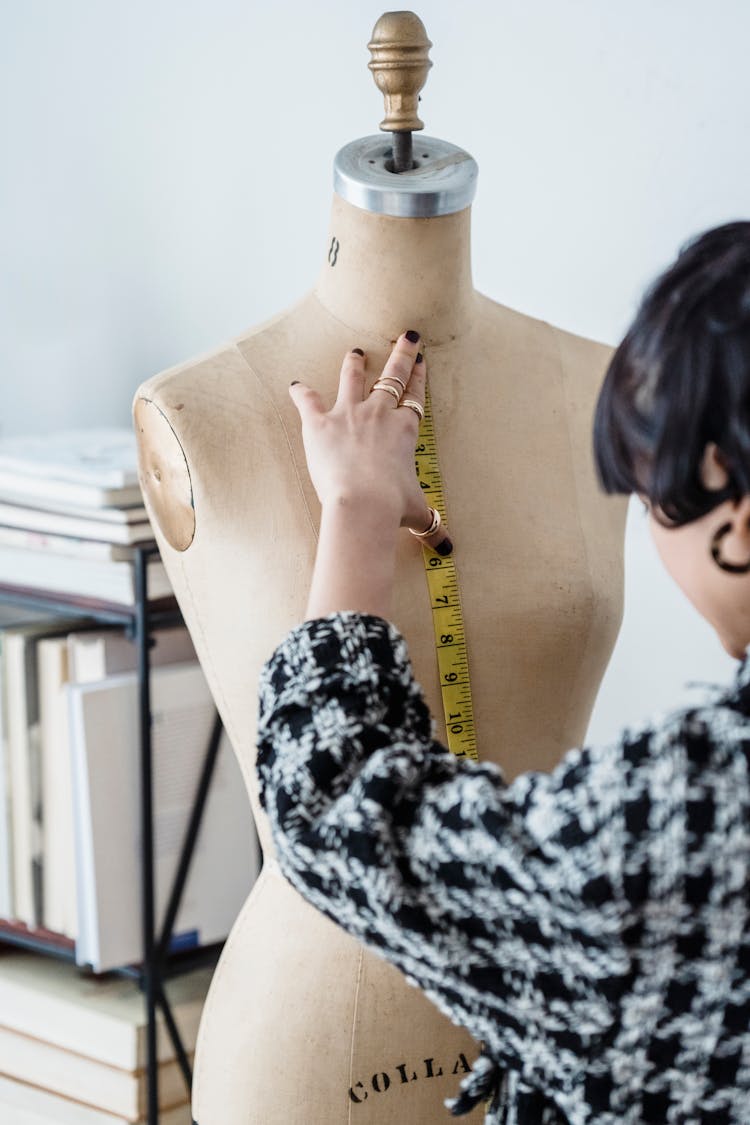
x,y
149,982
174,1033
188,844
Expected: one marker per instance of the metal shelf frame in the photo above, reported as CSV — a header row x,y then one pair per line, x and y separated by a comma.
x,y
139,622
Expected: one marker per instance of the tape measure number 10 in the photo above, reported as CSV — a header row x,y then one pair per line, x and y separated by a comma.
x,y
445,599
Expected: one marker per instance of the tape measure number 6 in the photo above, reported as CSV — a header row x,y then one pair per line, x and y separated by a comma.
x,y
445,599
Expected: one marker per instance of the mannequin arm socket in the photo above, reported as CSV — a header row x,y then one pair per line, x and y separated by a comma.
x,y
355,564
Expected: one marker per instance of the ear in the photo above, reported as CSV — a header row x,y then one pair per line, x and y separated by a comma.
x,y
713,470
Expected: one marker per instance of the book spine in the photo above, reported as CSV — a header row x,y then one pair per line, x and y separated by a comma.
x,y
70,526
104,580
25,539
87,495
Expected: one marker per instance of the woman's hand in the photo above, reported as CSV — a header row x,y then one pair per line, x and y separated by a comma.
x,y
360,453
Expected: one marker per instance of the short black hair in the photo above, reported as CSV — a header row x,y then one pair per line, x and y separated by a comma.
x,y
681,379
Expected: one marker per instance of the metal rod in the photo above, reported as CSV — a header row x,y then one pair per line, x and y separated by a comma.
x,y
149,984
188,844
16,595
403,159
54,946
177,965
158,619
174,1034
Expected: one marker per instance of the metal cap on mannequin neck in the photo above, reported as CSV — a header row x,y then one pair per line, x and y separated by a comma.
x,y
390,175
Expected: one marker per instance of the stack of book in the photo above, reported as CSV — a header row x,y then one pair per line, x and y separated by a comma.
x,y
71,510
70,789
73,1048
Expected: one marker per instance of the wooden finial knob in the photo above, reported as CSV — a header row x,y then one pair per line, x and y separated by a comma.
x,y
400,61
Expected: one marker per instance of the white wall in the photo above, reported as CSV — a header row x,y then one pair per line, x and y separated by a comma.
x,y
165,179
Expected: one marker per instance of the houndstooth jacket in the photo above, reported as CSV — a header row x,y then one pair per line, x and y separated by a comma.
x,y
589,925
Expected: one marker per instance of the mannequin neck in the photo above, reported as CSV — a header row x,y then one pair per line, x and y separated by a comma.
x,y
384,275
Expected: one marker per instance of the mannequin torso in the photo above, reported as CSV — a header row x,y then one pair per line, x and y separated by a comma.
x,y
302,1027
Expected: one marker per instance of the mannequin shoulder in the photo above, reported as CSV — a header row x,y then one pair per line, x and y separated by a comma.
x,y
584,364
583,360
185,418
580,365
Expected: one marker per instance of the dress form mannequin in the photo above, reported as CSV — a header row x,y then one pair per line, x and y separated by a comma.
x,y
302,1026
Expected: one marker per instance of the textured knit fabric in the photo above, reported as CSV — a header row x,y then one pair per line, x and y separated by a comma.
x,y
589,926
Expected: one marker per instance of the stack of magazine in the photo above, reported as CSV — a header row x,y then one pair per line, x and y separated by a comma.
x,y
71,509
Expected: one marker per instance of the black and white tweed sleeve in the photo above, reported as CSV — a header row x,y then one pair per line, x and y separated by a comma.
x,y
505,903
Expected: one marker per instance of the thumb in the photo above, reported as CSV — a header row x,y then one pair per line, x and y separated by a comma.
x,y
307,400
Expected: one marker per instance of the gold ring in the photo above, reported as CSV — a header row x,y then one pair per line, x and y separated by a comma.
x,y
431,529
395,379
384,387
416,406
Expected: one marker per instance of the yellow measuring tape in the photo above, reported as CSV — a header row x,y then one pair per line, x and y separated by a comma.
x,y
445,599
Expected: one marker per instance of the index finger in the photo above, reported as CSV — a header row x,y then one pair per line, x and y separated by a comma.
x,y
352,378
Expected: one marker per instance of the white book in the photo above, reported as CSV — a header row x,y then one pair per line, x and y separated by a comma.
x,y
101,455
22,1104
100,1018
76,527
135,513
105,744
93,468
99,653
71,546
81,657
21,707
9,616
15,488
59,906
101,580
7,895
119,1092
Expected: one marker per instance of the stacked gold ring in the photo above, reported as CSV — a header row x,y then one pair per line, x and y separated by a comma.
x,y
380,386
396,379
415,406
436,521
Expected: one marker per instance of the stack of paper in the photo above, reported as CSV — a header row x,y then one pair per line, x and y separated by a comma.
x,y
88,468
70,511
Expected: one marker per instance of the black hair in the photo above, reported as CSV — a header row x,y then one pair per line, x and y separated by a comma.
x,y
681,379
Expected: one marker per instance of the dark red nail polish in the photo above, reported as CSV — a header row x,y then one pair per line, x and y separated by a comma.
x,y
420,357
445,547
412,336
357,351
